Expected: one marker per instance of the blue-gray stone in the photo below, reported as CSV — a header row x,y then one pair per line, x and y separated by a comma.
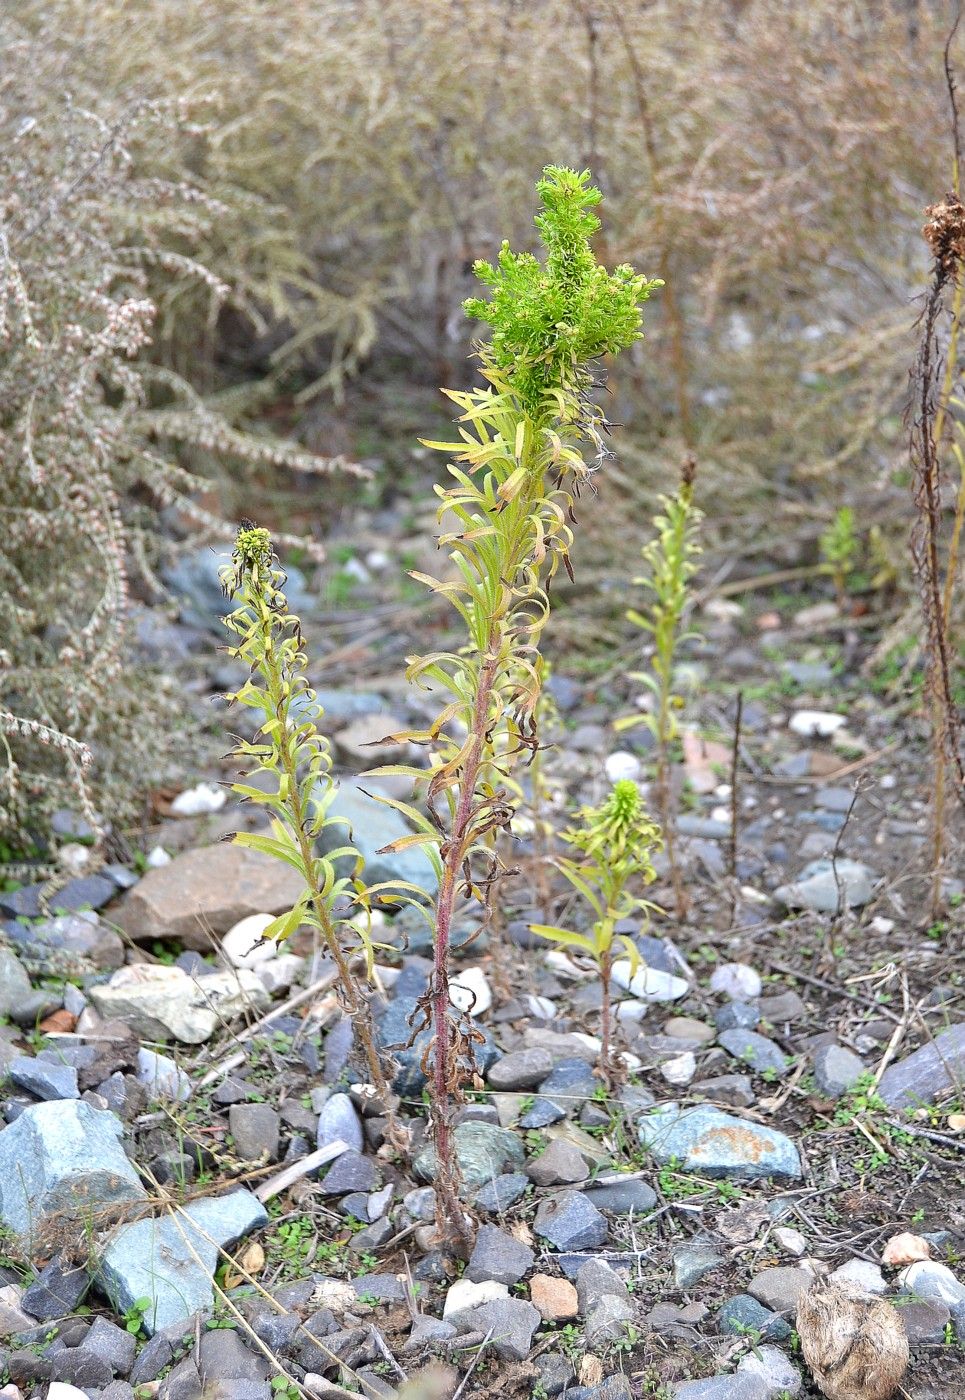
x,y
501,1193
736,1387
570,1222
498,1257
339,1120
339,707
373,826
84,892
692,1261
171,1260
754,1050
836,1070
925,1074
542,1113
483,1152
44,1079
706,827
823,885
743,1312
351,1172
56,1290
195,580
703,1139
622,1197
62,1159
736,1015
15,985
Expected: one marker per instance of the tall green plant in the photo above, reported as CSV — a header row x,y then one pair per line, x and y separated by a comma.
x,y
671,560
289,774
616,842
517,466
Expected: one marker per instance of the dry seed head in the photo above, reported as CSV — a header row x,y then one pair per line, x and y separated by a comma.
x,y
944,231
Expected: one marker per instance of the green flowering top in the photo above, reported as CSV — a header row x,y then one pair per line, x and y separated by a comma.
x,y
618,836
549,320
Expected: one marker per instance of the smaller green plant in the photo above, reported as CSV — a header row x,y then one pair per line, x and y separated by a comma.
x,y
133,1319
671,560
284,1389
839,551
616,841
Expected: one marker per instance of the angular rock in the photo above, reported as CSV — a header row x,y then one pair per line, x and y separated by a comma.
x,y
161,1077
206,890
62,1160
595,1278
513,1322
836,1070
555,1299
863,1274
155,1258
703,1139
158,1002
933,1282
33,901
72,945
570,1222
498,1257
622,1197
823,887
754,1050
561,1164
735,1090
256,1130
736,1015
338,1120
43,1079
924,1322
742,1312
374,826
15,986
692,1261
112,1344
523,1069
925,1074
56,1290
737,1387
483,1152
607,1319
770,1365
352,1171
779,1289
501,1193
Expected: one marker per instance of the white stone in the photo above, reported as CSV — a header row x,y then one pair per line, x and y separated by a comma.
x,y
681,1069
60,1390
469,991
863,1274
279,974
465,1294
243,945
879,924
933,1282
541,1007
334,1294
723,609
161,1001
162,1077
737,981
622,765
816,724
779,1374
74,857
791,1241
649,983
563,964
631,1010
157,858
199,801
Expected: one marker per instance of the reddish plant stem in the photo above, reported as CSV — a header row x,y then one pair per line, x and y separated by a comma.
x,y
454,854
605,1014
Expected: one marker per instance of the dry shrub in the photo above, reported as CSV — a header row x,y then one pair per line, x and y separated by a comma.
x,y
855,1345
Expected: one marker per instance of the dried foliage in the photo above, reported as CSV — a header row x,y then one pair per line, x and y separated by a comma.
x,y
855,1345
91,431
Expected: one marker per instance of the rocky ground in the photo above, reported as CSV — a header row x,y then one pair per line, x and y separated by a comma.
x,y
199,1200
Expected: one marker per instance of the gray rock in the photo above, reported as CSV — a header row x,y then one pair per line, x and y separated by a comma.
x,y
151,1258
80,1367
738,1387
607,1318
595,1279
62,1159
933,1282
616,1387
779,1289
922,1076
824,887
498,1257
739,981
501,1193
72,945
256,1130
754,1050
112,1344
924,1322
117,1390
160,1350
736,1015
513,1321
836,1070
374,826
770,1365
162,1077
35,901
742,1312
542,1113
692,1261
339,1120
703,1139
15,985
562,1164
622,1197
56,1290
237,1388
44,1079
555,1373
782,1007
421,1204
157,1002
483,1152
351,1172
523,1069
735,1090
428,1331
570,1222
221,1354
